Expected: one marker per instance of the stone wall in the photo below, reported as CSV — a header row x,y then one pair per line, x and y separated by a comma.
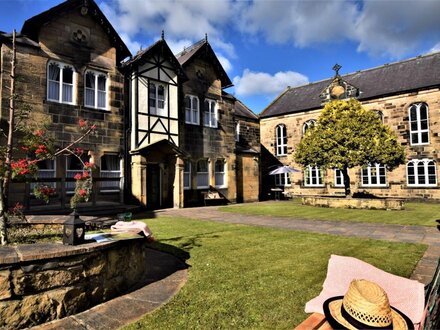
x,y
395,113
43,282
354,203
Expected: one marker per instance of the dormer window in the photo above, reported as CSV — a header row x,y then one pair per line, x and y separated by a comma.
x,y
60,82
95,90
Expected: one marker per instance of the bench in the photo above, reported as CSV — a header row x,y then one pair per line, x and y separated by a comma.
x,y
213,198
431,319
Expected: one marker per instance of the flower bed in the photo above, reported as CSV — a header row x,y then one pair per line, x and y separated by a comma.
x,y
355,203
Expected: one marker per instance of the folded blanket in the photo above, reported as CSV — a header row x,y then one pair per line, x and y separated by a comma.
x,y
131,226
406,295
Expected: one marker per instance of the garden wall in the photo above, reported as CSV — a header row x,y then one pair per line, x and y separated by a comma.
x,y
355,203
43,282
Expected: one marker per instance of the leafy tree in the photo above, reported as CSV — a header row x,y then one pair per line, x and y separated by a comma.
x,y
347,135
26,145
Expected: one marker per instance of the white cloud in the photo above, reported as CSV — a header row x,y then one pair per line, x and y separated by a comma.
x,y
226,64
436,48
262,83
178,45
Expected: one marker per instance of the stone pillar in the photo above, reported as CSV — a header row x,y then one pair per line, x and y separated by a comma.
x,y
139,178
178,183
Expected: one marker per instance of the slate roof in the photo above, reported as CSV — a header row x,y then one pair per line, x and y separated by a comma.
x,y
189,53
19,38
31,27
416,73
243,111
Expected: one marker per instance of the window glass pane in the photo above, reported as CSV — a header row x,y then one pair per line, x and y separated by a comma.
x,y
424,137
110,163
202,166
90,80
54,72
54,90
101,82
424,124
413,113
67,93
423,112
68,75
414,138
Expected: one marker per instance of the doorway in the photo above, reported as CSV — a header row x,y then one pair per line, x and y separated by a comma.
x,y
154,186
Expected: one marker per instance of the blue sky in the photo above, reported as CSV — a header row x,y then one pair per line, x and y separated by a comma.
x,y
267,45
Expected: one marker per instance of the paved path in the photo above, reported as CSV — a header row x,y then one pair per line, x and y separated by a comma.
x,y
396,233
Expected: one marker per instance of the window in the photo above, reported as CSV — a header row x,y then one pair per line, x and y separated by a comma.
x,y
220,173
313,177
192,115
46,170
210,114
374,175
95,90
237,132
282,180
156,99
379,114
308,124
74,166
110,168
187,175
202,174
281,140
339,178
60,78
421,172
419,124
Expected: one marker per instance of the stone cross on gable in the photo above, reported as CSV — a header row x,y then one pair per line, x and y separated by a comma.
x,y
337,67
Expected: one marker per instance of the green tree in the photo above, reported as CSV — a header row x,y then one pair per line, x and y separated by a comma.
x,y
347,135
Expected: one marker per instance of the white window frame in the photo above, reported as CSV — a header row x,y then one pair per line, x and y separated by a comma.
x,y
155,110
417,176
95,90
313,176
282,180
70,186
202,175
61,83
281,140
220,174
210,113
418,132
367,173
308,124
187,175
339,177
193,111
111,186
45,173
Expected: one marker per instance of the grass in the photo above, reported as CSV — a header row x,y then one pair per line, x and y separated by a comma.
x,y
420,214
246,277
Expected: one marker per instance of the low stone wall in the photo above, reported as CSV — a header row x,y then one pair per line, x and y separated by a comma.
x,y
43,282
355,203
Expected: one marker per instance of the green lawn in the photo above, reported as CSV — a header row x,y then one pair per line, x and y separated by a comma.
x,y
421,214
247,277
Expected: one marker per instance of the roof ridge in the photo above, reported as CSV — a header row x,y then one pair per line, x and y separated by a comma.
x,y
191,47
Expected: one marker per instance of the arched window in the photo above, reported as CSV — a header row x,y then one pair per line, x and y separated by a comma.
x,y
281,140
60,82
202,174
419,124
308,124
156,99
379,114
95,90
421,172
374,175
210,114
192,113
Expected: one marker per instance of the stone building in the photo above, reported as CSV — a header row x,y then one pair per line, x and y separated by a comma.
x,y
68,69
407,97
188,136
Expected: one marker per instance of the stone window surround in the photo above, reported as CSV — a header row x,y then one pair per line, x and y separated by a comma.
x,y
281,140
314,173
377,176
419,131
194,113
62,65
96,91
426,162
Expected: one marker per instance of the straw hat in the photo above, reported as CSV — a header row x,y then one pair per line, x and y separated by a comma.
x,y
364,306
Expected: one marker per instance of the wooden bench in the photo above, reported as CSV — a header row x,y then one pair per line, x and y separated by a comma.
x,y
431,319
213,198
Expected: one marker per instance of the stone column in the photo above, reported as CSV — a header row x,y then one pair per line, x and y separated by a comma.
x,y
178,183
139,178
